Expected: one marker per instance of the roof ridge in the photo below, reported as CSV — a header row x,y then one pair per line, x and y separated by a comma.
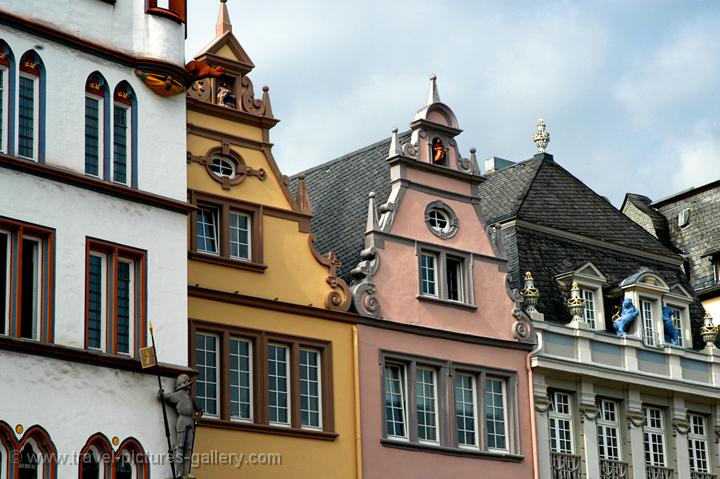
x,y
347,156
530,185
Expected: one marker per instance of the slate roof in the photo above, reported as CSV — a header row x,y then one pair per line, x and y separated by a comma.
x,y
659,222
338,193
543,192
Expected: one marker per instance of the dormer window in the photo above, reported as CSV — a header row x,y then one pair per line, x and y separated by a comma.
x,y
590,280
589,313
684,218
441,220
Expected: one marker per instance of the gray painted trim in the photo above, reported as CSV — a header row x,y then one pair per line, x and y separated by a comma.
x,y
392,237
431,190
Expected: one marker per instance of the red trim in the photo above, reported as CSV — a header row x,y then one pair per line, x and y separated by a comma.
x,y
29,64
4,60
47,448
94,86
137,452
102,444
123,95
177,10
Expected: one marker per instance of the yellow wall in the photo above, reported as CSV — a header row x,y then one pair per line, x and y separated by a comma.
x,y
301,457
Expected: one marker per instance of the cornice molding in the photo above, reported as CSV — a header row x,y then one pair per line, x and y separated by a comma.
x,y
68,177
231,114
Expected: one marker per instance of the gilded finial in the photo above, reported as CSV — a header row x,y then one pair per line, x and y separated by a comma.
x,y
541,137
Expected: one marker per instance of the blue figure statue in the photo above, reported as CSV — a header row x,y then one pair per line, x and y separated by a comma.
x,y
627,316
671,333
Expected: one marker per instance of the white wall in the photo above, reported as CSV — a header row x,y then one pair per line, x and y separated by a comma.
x,y
54,394
124,26
77,214
161,120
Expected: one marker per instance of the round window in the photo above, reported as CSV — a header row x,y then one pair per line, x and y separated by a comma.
x,y
441,220
223,167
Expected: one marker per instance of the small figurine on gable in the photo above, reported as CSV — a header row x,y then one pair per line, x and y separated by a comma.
x,y
225,96
627,316
439,152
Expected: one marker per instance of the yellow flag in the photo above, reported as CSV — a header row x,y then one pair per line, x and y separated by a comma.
x,y
147,357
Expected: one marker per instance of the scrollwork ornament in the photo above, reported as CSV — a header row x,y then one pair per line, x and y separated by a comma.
x,y
365,300
635,419
589,411
680,426
409,150
521,330
542,403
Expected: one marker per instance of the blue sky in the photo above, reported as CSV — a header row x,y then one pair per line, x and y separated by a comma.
x,y
630,90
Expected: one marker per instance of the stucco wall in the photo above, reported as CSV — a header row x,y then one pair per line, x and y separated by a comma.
x,y
122,26
380,462
76,214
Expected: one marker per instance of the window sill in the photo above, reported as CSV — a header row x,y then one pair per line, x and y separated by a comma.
x,y
222,261
266,429
447,302
449,451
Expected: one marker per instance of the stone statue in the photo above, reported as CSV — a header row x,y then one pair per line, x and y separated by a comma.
x,y
188,415
670,332
627,316
225,97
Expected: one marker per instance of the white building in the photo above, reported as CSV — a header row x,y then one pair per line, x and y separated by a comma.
x,y
92,233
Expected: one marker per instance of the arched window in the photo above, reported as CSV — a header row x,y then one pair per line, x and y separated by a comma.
x,y
124,162
31,111
124,468
29,462
7,85
131,461
96,106
96,458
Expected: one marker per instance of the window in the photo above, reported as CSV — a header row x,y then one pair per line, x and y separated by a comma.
x,y
123,135
698,444
608,430
560,418
426,403
648,322
443,276
206,362
676,317
114,292
589,296
29,105
241,390
226,232
465,417
223,167
438,220
173,9
271,381
654,436
94,125
26,254
29,461
123,468
4,100
207,231
495,412
684,218
441,220
90,465
395,406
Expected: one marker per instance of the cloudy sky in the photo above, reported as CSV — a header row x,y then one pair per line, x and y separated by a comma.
x,y
630,90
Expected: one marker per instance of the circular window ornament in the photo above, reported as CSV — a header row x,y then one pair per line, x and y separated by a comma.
x,y
223,167
441,220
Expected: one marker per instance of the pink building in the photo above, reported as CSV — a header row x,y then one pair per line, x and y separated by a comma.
x,y
443,349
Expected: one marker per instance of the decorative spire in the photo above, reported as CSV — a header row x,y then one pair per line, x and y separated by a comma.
x,y
433,95
267,108
372,218
541,136
302,198
223,22
394,145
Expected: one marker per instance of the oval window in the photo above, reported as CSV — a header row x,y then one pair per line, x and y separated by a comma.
x,y
223,167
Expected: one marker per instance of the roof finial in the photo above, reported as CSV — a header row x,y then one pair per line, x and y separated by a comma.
x,y
433,96
394,145
223,22
541,136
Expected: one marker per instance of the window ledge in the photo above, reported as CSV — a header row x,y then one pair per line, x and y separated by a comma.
x,y
266,429
449,451
222,261
447,302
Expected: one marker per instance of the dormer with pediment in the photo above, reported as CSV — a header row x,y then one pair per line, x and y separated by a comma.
x,y
590,280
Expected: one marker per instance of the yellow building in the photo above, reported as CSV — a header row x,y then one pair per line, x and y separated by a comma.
x,y
275,351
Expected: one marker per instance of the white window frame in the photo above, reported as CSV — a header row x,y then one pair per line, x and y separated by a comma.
x,y
8,279
649,328
3,462
215,213
5,98
402,368
288,391
128,143
97,455
249,235
36,116
696,439
460,278
131,307
650,435
440,275
251,374
223,159
319,392
103,299
435,425
476,422
434,280
37,286
218,348
101,135
590,311
503,386
133,466
554,416
605,425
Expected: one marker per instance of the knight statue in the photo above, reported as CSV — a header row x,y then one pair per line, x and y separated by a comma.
x,y
188,415
627,316
670,332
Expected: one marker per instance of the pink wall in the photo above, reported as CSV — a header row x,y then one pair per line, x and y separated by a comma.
x,y
381,461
